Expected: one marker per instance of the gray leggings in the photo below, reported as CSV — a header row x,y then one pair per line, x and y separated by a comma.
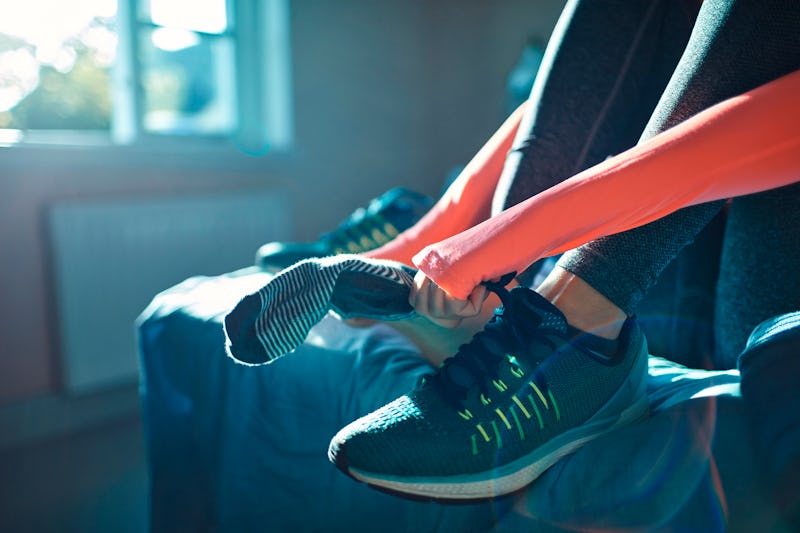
x,y
619,71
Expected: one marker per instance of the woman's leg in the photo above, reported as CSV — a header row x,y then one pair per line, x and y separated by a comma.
x,y
605,67
770,387
606,64
760,270
735,46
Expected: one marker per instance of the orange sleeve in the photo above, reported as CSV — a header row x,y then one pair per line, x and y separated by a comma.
x,y
466,202
743,145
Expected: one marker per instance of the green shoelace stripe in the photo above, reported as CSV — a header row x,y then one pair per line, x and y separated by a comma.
x,y
517,422
536,410
367,235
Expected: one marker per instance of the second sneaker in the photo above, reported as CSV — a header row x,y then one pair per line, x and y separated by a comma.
x,y
365,229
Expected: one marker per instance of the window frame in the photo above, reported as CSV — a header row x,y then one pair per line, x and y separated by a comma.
x,y
260,31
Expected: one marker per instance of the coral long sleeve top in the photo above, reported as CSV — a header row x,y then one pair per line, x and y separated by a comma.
x,y
747,144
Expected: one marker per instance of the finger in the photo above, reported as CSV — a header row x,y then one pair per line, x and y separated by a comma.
x,y
418,296
440,305
447,306
445,310
476,299
426,298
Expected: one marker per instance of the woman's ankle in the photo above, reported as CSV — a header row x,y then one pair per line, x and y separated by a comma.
x,y
583,306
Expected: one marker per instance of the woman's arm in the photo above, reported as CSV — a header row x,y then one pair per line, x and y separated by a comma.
x,y
465,203
743,145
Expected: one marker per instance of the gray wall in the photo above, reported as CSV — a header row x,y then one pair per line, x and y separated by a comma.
x,y
386,93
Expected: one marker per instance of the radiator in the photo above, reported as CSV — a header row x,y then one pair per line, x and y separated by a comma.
x,y
111,257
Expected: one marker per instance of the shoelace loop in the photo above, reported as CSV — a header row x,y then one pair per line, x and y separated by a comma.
x,y
477,363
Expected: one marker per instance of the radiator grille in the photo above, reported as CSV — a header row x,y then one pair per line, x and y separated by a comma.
x,y
110,258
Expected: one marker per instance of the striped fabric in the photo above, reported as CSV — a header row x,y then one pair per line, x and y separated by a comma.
x,y
276,319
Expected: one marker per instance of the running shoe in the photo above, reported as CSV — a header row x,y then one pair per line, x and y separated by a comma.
x,y
365,229
513,401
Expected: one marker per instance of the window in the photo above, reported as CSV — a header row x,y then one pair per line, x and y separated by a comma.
x,y
56,76
132,70
186,66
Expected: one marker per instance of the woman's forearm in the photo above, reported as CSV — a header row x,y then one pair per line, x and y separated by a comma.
x,y
466,202
743,145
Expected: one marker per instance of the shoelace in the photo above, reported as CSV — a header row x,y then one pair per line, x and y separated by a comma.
x,y
477,363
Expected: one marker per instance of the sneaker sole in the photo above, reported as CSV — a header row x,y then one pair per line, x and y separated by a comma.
x,y
508,478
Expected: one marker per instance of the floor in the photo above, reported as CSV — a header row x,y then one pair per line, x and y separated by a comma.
x,y
90,481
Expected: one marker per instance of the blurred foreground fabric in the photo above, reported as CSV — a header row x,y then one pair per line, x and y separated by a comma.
x,y
237,448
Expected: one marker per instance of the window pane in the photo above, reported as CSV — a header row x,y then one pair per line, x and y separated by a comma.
x,y
54,70
188,82
207,16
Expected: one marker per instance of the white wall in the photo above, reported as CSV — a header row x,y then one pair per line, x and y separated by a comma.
x,y
386,93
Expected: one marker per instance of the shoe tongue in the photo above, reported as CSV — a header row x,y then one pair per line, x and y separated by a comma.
x,y
526,311
458,375
530,310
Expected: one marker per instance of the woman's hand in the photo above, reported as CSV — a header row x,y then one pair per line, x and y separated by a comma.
x,y
442,323
432,302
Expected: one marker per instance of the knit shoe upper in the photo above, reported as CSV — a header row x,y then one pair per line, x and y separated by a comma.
x,y
493,417
365,229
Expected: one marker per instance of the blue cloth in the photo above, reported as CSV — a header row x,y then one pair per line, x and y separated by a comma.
x,y
238,448
770,383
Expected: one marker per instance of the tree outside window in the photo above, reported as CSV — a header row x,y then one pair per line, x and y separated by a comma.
x,y
134,69
55,63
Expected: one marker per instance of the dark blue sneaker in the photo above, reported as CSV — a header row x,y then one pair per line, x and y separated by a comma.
x,y
507,406
366,229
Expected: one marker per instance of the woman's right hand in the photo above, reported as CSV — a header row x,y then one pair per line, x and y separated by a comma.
x,y
433,302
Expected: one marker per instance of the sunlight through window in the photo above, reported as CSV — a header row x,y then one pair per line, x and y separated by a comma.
x,y
187,58
54,70
129,70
